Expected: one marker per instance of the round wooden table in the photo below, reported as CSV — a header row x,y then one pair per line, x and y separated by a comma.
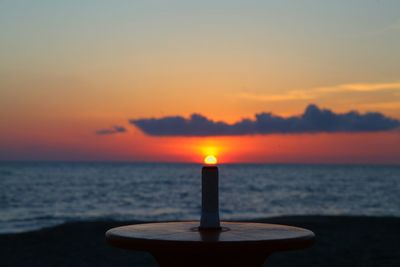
x,y
181,244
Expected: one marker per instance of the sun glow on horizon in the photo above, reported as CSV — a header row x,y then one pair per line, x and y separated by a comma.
x,y
210,160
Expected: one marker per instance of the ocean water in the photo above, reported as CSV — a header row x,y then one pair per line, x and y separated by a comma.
x,y
37,195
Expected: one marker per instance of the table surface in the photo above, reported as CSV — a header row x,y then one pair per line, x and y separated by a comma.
x,y
186,236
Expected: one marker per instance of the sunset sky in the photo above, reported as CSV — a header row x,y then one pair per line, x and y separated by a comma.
x,y
73,68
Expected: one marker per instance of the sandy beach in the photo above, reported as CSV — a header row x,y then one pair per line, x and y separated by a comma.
x,y
341,241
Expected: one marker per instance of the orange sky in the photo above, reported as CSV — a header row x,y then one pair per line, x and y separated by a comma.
x,y
69,69
376,148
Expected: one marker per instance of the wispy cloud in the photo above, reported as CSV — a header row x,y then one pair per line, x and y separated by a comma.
x,y
361,87
113,130
313,120
291,95
314,93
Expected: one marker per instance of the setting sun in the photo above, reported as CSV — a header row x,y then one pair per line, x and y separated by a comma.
x,y
210,159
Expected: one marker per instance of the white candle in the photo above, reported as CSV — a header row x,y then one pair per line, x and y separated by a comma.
x,y
209,196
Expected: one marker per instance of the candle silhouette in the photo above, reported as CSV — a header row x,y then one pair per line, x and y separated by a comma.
x,y
209,195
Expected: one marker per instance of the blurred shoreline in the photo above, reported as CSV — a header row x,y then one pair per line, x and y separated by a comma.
x,y
341,241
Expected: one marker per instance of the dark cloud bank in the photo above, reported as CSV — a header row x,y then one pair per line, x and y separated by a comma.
x,y
313,120
112,130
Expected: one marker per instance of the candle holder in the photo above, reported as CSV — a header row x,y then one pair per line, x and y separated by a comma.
x,y
209,219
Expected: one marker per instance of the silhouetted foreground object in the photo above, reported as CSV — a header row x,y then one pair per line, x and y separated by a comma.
x,y
178,244
209,198
341,241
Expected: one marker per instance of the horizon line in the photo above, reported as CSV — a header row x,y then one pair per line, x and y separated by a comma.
x,y
197,163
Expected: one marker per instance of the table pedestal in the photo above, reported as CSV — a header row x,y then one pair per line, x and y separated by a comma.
x,y
178,244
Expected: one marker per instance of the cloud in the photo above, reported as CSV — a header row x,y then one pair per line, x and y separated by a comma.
x,y
313,120
361,87
314,93
291,95
113,130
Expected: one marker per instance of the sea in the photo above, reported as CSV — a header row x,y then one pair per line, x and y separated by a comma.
x,y
36,195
